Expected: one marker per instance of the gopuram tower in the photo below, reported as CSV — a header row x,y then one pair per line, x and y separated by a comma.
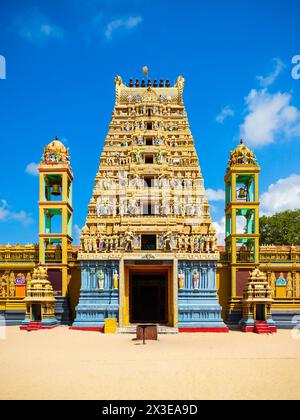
x,y
148,250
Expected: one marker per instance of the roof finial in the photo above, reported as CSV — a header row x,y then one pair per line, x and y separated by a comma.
x,y
241,141
146,71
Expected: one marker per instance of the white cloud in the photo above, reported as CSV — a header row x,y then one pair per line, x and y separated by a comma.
x,y
6,214
32,169
129,23
35,27
278,66
220,230
269,117
225,113
283,195
77,234
215,195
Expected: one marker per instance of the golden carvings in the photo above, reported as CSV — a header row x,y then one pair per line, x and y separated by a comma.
x,y
149,180
55,153
242,156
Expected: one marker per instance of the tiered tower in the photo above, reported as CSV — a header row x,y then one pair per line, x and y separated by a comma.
x,y
242,222
149,218
40,302
55,215
257,304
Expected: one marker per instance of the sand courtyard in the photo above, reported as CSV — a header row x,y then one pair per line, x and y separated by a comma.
x,y
66,364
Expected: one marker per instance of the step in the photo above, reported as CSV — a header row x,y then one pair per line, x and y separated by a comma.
x,y
161,329
262,330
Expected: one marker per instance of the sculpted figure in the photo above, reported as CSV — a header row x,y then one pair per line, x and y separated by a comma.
x,y
3,285
111,244
86,241
101,280
192,243
116,243
196,280
106,245
186,243
206,244
138,156
167,241
101,243
116,280
196,244
129,237
12,286
180,242
181,280
94,243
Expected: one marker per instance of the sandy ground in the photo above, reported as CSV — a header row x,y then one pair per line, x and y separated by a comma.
x,y
85,365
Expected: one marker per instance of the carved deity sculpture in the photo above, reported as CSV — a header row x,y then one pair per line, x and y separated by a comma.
x,y
167,246
138,157
3,285
181,280
12,286
196,280
186,243
101,280
180,242
128,240
116,280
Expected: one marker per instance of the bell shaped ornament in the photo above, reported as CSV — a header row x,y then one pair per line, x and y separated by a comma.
x,y
56,190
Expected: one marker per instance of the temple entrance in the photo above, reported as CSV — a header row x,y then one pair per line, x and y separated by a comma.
x,y
36,312
260,313
148,298
149,293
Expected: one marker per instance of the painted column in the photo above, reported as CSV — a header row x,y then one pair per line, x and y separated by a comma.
x,y
199,309
94,304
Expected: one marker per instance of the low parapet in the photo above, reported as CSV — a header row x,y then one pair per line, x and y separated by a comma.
x,y
138,91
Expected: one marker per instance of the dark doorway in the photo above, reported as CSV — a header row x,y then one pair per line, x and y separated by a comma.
x,y
148,297
148,241
149,159
260,313
36,312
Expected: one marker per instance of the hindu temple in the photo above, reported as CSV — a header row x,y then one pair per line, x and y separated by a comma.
x,y
148,251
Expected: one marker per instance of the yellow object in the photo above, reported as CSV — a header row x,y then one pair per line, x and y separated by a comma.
x,y
56,180
145,71
110,325
281,292
40,302
20,291
242,219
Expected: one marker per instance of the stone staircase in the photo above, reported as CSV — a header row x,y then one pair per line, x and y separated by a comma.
x,y
262,328
32,326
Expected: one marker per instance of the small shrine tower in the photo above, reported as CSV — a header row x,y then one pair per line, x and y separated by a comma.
x,y
257,305
40,302
55,214
242,222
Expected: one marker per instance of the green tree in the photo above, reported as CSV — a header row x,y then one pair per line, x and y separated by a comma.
x,y
281,228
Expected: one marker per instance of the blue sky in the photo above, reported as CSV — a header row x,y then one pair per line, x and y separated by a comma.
x,y
61,60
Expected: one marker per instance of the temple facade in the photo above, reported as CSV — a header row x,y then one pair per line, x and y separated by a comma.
x,y
148,251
